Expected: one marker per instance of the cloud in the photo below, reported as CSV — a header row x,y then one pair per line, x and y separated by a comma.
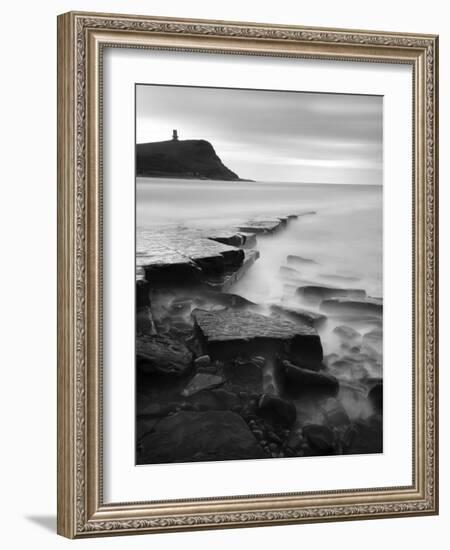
x,y
272,135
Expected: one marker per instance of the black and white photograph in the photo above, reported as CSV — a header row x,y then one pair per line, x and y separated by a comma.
x,y
259,274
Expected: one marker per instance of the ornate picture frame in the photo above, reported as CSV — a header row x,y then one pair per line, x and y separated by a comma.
x,y
82,38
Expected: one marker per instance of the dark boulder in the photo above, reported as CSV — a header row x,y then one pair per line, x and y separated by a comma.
x,y
217,399
245,373
276,410
352,308
202,381
299,381
226,400
162,355
321,439
180,272
227,333
199,436
366,437
203,361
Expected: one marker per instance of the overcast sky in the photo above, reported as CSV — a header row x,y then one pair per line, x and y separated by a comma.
x,y
272,136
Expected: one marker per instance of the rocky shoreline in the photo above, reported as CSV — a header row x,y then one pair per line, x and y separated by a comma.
x,y
220,377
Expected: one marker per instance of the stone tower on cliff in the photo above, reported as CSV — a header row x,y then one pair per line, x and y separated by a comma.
x,y
175,135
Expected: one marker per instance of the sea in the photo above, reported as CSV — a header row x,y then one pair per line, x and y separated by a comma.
x,y
343,238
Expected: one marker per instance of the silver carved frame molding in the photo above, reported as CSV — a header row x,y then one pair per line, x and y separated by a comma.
x,y
81,39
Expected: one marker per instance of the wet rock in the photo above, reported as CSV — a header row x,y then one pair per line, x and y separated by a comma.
x,y
345,307
228,333
227,299
144,321
318,293
162,355
142,294
168,267
349,369
258,433
376,397
277,410
226,237
183,256
372,355
245,373
217,399
320,438
180,328
300,381
202,381
148,408
335,413
366,437
249,239
199,436
262,226
144,317
374,340
225,281
272,436
295,441
311,318
346,333
294,260
144,425
140,274
227,399
203,361
259,360
348,437
181,306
